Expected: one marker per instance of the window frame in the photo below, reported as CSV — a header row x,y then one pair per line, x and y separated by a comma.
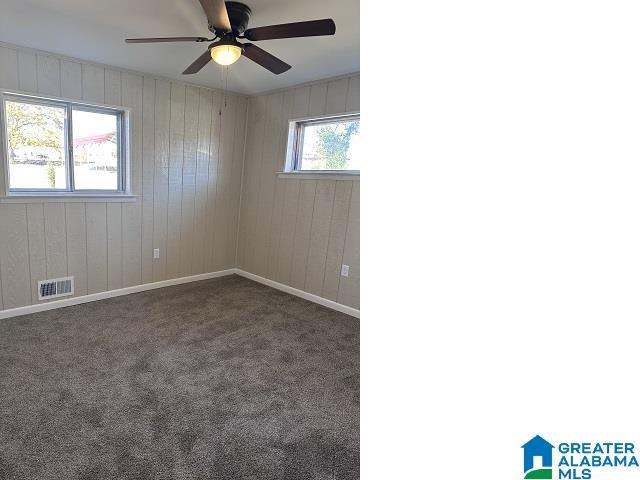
x,y
123,145
296,143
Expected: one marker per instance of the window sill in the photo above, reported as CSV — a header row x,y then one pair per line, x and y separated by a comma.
x,y
321,175
67,198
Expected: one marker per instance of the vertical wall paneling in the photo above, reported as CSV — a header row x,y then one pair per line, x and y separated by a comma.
x,y
226,258
55,233
96,247
14,256
294,262
299,231
267,182
317,99
336,96
112,87
185,173
302,233
293,265
222,211
148,176
301,99
8,68
189,171
286,245
174,203
48,75
203,161
36,244
255,129
349,288
92,83
71,79
278,166
337,233
319,240
236,180
161,177
113,96
132,98
212,181
114,246
204,173
353,94
77,245
27,72
131,244
273,239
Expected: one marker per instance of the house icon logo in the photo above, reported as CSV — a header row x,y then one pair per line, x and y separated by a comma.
x,y
538,460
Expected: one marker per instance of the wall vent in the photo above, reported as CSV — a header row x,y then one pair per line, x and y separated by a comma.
x,y
56,287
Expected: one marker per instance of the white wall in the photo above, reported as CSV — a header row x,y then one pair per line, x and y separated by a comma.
x,y
186,171
299,232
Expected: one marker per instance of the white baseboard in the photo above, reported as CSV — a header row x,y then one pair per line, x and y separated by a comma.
x,y
300,293
40,307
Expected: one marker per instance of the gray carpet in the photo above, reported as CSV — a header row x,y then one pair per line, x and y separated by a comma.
x,y
221,379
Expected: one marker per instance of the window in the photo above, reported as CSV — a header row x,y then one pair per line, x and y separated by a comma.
x,y
63,147
328,144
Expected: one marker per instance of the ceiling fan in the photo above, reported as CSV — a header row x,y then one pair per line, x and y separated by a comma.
x,y
228,22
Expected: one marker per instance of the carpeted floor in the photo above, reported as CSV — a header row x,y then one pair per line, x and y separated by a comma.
x,y
221,379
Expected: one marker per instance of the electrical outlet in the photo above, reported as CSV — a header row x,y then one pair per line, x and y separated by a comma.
x,y
345,271
156,253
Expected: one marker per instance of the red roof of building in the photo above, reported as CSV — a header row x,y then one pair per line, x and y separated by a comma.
x,y
94,139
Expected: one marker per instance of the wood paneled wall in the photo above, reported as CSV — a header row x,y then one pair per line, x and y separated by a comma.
x,y
299,232
187,151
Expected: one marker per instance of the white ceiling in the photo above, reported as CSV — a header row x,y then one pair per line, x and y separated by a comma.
x,y
95,30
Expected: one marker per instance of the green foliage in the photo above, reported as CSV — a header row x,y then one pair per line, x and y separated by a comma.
x,y
51,174
333,143
34,126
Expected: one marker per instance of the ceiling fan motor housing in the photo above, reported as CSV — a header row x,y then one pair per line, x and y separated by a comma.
x,y
239,15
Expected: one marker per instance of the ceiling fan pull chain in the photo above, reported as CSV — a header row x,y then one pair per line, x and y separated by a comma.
x,y
226,84
224,93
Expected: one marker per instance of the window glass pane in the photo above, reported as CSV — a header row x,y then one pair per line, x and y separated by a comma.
x,y
331,146
36,143
95,150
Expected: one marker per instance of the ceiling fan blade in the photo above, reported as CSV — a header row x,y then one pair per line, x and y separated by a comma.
x,y
265,59
200,62
165,39
312,28
217,14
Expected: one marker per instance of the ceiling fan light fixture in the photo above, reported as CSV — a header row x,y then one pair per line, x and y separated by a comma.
x,y
226,54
